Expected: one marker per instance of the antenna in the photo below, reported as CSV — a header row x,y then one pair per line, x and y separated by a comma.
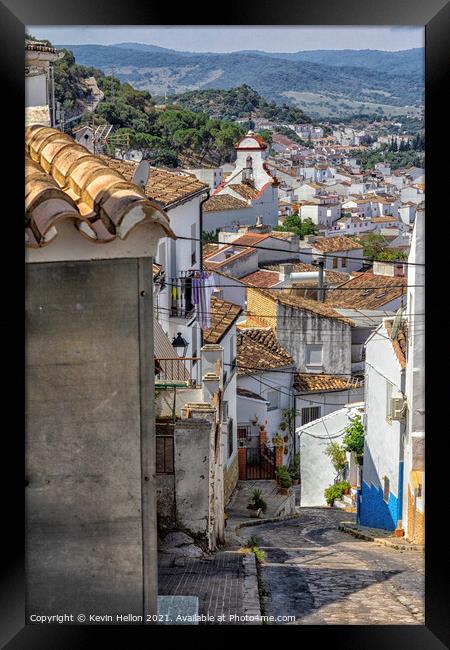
x,y
140,176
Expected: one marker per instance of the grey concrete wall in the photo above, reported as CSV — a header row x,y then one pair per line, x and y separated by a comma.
x,y
194,471
296,329
89,438
165,496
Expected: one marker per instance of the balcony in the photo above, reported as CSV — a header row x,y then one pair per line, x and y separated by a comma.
x,y
181,305
177,371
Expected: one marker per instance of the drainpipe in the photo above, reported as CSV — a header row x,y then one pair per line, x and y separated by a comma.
x,y
201,248
201,228
321,292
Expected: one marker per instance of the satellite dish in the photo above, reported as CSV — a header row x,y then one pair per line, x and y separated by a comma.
x,y
140,176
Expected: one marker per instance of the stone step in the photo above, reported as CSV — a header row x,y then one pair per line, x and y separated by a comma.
x,y
343,505
348,499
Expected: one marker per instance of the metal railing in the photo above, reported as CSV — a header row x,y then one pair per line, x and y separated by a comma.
x,y
179,369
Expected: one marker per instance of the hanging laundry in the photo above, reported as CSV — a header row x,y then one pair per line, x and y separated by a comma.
x,y
207,287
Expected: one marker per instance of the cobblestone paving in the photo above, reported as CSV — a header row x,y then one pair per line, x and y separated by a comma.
x,y
217,581
324,576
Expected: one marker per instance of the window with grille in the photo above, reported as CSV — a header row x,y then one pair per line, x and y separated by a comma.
x,y
335,262
230,437
343,262
310,413
224,411
243,431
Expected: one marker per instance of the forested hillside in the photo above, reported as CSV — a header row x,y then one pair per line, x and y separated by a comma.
x,y
239,102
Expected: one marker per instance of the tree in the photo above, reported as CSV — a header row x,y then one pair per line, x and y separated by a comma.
x,y
353,440
295,225
338,457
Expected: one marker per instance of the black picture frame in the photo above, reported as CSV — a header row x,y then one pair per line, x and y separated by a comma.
x,y
14,15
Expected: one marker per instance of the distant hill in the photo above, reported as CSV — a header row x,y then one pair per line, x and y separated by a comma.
x,y
403,61
239,102
321,82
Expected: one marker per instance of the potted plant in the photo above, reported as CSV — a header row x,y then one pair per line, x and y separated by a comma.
x,y
277,440
284,479
257,504
294,469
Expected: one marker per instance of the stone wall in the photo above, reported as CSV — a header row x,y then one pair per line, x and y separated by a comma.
x,y
230,478
90,515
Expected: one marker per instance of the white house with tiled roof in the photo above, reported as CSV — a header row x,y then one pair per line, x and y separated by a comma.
x,y
181,194
251,182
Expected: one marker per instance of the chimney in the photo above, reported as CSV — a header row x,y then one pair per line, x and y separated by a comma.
x,y
285,272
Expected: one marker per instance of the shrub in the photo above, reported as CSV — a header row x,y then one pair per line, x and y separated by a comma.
x,y
331,493
258,501
294,467
353,440
337,455
284,477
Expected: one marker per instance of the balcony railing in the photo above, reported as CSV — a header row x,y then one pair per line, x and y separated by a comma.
x,y
184,370
181,295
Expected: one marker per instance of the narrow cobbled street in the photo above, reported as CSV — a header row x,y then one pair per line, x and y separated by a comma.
x,y
321,575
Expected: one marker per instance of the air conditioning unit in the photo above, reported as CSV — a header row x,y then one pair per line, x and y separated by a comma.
x,y
398,407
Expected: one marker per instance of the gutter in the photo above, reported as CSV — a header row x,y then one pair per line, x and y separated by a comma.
x,y
201,227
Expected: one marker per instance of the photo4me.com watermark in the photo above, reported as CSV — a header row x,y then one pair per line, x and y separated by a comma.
x,y
93,619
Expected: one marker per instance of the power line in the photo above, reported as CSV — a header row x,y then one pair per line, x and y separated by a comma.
x,y
302,252
297,288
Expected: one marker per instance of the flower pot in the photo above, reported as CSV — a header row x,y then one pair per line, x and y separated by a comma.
x,y
346,491
286,438
284,490
295,481
255,513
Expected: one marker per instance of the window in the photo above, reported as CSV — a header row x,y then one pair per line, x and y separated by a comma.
x,y
314,355
310,413
230,438
335,262
232,354
193,243
243,431
164,455
389,389
386,489
224,411
344,262
273,397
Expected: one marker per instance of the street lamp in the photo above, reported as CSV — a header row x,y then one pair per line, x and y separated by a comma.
x,y
180,344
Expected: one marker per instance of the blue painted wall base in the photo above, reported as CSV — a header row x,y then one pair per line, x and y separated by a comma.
x,y
375,512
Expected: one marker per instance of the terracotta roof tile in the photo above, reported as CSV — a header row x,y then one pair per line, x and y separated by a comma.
x,y
36,46
259,348
334,244
247,191
400,342
64,181
262,278
311,382
243,392
364,294
221,202
290,298
223,315
250,238
166,187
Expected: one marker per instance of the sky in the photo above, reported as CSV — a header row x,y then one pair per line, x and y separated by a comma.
x,y
231,39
